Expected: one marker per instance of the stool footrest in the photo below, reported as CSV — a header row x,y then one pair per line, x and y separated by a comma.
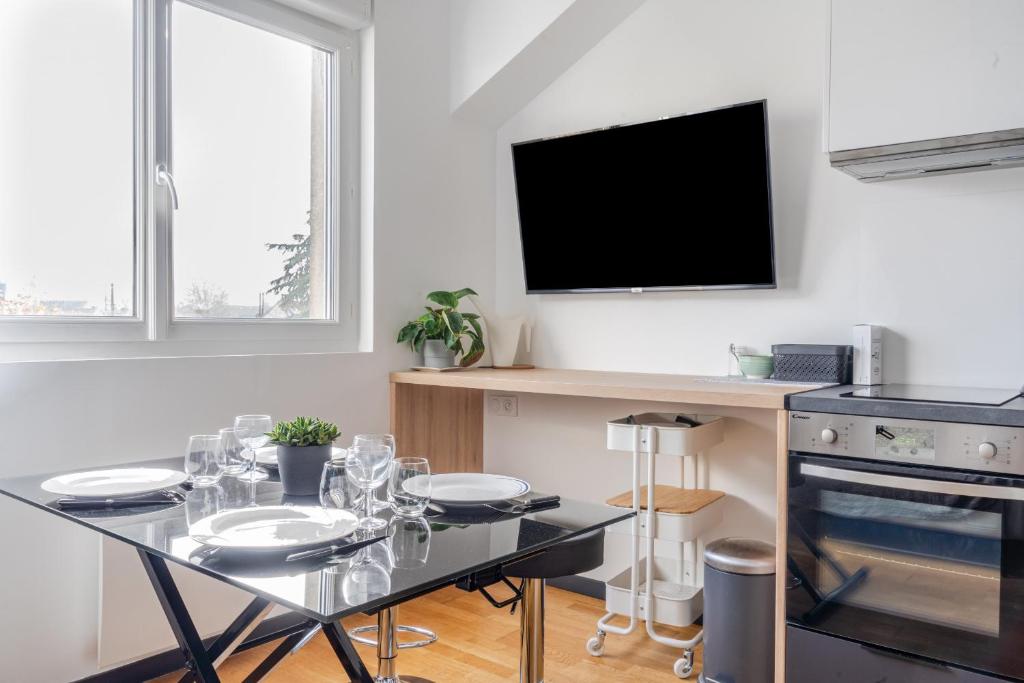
x,y
429,636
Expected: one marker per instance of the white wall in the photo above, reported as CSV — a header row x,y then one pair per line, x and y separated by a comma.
x,y
938,261
486,34
430,201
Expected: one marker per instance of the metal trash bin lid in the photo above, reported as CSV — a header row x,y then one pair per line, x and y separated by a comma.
x,y
741,556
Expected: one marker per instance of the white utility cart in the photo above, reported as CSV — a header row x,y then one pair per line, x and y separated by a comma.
x,y
663,589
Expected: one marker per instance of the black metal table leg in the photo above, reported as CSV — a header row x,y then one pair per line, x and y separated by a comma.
x,y
346,653
288,646
197,659
236,633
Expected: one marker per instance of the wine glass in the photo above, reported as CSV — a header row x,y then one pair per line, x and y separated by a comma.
x,y
252,431
367,467
235,462
409,486
204,461
336,490
376,440
365,580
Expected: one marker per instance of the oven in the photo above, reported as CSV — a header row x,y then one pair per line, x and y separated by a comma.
x,y
905,544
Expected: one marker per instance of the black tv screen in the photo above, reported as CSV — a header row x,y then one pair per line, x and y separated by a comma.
x,y
678,203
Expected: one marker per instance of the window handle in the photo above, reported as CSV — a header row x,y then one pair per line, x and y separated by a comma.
x,y
164,177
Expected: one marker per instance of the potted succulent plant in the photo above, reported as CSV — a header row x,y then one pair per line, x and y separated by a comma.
x,y
303,446
438,334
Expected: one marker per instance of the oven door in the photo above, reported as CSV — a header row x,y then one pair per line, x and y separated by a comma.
x,y
919,560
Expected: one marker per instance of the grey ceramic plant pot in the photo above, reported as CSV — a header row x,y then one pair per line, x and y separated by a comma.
x,y
300,468
437,355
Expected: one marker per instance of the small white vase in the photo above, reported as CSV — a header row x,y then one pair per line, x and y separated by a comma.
x,y
503,339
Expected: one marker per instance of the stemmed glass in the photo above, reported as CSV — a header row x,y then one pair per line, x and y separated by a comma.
x,y
235,463
365,580
376,440
252,431
367,467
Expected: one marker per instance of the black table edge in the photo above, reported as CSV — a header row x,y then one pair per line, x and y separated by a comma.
x,y
366,608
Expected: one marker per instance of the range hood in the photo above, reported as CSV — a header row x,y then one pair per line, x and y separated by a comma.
x,y
977,152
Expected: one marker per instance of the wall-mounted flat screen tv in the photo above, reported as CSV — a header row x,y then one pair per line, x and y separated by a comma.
x,y
678,203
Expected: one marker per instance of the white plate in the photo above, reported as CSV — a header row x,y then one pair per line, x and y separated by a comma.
x,y
274,527
469,488
267,456
128,481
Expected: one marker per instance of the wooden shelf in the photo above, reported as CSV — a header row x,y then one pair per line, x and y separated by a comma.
x,y
690,389
671,499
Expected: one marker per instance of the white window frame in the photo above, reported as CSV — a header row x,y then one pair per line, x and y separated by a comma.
x,y
153,329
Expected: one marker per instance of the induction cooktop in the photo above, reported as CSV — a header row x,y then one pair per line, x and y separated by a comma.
x,y
930,394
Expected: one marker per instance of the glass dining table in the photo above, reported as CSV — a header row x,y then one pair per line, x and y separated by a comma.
x,y
373,574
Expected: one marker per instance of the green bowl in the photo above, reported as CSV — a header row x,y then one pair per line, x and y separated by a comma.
x,y
757,367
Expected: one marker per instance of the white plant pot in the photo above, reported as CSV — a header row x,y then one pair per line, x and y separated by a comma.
x,y
437,355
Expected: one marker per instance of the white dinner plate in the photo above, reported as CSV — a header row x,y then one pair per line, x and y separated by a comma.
x,y
267,456
274,527
127,481
469,488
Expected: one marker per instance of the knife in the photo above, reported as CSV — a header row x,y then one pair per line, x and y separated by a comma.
x,y
331,549
526,505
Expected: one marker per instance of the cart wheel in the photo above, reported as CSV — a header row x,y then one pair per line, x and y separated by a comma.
x,y
595,646
684,665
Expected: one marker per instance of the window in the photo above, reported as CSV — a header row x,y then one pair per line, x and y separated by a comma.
x,y
248,116
177,170
67,225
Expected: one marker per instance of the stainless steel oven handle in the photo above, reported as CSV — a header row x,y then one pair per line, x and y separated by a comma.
x,y
950,488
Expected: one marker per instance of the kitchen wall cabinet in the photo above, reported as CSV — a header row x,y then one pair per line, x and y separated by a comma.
x,y
906,70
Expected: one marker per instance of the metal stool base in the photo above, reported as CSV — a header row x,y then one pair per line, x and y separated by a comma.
x,y
429,637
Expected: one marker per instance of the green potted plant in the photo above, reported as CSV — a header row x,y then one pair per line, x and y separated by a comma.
x,y
438,334
303,446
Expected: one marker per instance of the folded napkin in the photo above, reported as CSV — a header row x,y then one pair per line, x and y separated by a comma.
x,y
492,512
146,500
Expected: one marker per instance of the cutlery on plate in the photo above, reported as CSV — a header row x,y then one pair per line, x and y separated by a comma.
x,y
513,507
328,550
525,505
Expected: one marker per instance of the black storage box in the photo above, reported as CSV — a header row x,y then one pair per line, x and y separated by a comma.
x,y
825,363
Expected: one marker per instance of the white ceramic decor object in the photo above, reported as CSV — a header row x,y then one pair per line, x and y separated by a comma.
x,y
504,333
469,488
127,481
276,527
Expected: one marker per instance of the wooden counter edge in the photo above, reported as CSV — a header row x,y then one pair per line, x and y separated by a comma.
x,y
695,392
781,522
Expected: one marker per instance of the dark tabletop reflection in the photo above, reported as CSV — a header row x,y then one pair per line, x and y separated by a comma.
x,y
411,555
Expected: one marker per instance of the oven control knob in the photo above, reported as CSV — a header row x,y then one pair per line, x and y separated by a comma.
x,y
829,435
987,449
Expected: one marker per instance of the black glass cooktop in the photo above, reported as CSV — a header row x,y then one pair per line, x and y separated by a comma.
x,y
929,394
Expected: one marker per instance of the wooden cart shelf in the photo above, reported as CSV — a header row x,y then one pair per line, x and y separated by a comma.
x,y
671,499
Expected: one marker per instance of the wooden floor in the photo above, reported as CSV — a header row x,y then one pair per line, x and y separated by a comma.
x,y
481,644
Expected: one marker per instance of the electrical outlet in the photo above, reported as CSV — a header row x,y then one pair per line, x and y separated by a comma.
x,y
505,406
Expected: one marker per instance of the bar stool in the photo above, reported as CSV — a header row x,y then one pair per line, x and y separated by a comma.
x,y
575,556
387,630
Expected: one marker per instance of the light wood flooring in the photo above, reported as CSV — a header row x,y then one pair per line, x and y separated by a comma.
x,y
481,644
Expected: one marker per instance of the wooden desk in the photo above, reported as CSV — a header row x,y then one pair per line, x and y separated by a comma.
x,y
441,415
